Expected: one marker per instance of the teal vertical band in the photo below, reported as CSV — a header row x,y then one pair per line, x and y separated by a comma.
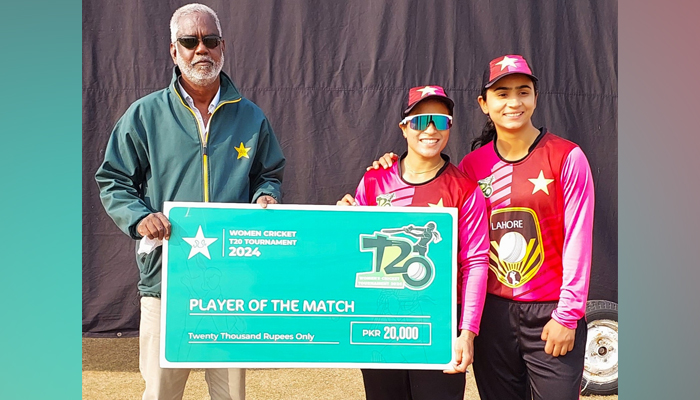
x,y
40,200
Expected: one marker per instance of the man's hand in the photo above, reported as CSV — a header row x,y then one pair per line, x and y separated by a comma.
x,y
560,339
347,200
264,200
464,352
154,226
385,161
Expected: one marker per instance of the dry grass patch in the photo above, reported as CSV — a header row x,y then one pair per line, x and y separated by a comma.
x,y
111,372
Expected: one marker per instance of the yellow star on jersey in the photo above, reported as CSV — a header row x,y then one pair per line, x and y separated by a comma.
x,y
242,151
439,204
507,62
427,90
541,183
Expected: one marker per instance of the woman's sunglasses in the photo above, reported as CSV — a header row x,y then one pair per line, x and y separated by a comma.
x,y
190,42
421,122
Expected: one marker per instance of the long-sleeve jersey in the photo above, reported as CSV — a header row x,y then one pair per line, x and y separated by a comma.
x,y
449,188
540,223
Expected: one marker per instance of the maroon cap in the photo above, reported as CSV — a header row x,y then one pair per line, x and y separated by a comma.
x,y
420,93
507,65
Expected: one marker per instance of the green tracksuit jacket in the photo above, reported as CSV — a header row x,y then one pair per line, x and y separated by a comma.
x,y
156,154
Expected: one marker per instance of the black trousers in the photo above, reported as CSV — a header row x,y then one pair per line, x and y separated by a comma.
x,y
509,358
399,384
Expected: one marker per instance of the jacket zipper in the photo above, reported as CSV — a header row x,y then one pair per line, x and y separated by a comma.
x,y
205,167
203,142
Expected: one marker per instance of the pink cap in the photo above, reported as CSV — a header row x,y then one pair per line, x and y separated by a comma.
x,y
420,93
508,65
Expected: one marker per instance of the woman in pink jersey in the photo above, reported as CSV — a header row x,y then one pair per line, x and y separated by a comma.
x,y
539,196
425,177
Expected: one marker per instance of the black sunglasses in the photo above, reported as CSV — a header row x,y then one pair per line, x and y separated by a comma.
x,y
190,42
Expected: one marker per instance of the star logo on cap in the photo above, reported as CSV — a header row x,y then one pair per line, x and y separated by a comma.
x,y
242,151
507,62
200,244
541,183
427,90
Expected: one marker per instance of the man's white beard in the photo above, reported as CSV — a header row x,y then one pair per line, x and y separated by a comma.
x,y
196,75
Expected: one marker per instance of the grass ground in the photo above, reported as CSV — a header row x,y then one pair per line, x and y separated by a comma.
x,y
111,372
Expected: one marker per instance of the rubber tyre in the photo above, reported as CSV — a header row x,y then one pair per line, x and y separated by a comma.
x,y
600,367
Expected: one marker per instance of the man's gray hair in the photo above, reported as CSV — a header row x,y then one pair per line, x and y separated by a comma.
x,y
189,9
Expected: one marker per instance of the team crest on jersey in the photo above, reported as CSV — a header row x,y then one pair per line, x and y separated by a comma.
x,y
384,200
400,257
516,252
486,186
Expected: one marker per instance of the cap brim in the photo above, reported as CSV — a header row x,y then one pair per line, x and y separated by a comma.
x,y
488,85
450,104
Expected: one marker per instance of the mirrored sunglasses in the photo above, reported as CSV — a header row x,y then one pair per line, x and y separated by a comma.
x,y
421,122
190,42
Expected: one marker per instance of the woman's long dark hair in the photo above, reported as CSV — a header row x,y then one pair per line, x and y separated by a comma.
x,y
488,133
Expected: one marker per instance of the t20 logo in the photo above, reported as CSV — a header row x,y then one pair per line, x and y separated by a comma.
x,y
399,262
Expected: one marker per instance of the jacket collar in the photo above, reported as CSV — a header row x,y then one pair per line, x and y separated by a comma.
x,y
229,91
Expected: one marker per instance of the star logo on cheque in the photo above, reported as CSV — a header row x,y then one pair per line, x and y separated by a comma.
x,y
200,244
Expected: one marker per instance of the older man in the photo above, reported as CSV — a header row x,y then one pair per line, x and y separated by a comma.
x,y
196,140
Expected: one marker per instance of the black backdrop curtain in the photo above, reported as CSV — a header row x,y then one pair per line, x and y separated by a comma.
x,y
330,75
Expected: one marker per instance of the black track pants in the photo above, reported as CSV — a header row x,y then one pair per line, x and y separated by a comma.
x,y
509,358
393,384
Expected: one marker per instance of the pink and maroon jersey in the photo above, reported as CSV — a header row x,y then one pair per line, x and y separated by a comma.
x,y
449,188
540,223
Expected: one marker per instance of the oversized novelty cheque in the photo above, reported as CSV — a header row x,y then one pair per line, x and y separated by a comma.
x,y
308,286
